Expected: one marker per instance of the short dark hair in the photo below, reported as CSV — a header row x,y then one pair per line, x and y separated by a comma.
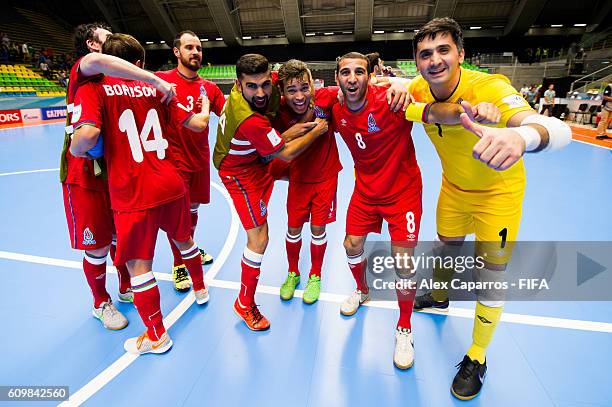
x,y
251,64
124,46
83,33
373,60
292,69
439,26
352,55
177,39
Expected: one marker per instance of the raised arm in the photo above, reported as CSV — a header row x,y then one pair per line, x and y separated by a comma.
x,y
95,63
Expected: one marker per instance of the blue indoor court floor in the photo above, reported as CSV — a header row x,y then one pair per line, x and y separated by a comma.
x,y
542,354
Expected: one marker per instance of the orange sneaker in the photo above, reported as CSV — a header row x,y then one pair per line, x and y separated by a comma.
x,y
251,316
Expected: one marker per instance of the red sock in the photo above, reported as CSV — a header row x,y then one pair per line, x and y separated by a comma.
x,y
176,253
358,265
293,244
193,261
122,271
405,300
251,264
95,273
318,244
194,220
146,300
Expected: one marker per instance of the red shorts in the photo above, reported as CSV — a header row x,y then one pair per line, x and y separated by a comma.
x,y
314,202
89,217
250,194
137,231
198,185
279,169
403,216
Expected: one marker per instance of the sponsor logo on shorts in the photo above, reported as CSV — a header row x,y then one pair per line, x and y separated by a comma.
x,y
515,101
411,236
88,237
372,127
343,122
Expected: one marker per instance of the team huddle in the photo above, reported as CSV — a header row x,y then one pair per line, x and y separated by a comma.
x,y
136,160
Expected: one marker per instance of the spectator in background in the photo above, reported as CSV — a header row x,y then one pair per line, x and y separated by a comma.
x,y
524,90
606,108
62,78
549,101
25,52
44,67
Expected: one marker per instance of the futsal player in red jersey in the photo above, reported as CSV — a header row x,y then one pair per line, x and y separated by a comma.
x,y
387,186
146,191
190,152
313,175
85,189
245,138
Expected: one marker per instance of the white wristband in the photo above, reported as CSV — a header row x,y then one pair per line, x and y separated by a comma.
x,y
530,135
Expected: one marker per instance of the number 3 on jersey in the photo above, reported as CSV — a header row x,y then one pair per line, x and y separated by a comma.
x,y
127,124
360,141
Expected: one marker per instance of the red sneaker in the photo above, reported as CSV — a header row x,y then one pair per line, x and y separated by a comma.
x,y
251,316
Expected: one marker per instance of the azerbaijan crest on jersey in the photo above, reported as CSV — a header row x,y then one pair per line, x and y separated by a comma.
x,y
372,127
320,113
88,237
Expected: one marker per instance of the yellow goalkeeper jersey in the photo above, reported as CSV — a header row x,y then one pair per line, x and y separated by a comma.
x,y
454,144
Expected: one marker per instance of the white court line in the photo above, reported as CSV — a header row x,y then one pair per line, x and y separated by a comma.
x,y
4,174
523,319
593,145
108,374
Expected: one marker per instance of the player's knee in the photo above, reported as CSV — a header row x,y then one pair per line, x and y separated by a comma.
x,y
353,245
101,252
185,245
258,239
317,230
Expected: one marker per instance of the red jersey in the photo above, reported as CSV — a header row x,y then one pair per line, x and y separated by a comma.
x,y
135,126
190,151
381,146
253,140
76,170
320,161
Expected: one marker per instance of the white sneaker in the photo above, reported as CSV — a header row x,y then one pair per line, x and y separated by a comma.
x,y
127,296
352,303
143,344
201,296
403,358
110,316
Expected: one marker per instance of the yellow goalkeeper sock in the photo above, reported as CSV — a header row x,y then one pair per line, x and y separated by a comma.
x,y
485,322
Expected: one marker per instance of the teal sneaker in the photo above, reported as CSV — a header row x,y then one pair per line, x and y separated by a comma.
x,y
313,289
288,288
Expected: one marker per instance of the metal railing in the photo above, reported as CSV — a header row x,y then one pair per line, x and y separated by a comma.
x,y
597,75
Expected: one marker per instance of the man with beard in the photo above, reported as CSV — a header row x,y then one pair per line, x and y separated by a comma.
x,y
190,152
387,185
244,137
84,184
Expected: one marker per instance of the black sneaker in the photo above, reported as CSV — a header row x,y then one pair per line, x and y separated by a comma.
x,y
425,301
603,137
468,380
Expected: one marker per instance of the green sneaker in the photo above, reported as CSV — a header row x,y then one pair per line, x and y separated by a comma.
x,y
288,288
313,289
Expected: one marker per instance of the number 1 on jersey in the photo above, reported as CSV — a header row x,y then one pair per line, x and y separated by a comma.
x,y
127,124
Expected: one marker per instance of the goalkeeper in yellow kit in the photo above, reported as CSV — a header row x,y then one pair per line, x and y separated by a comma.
x,y
483,179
